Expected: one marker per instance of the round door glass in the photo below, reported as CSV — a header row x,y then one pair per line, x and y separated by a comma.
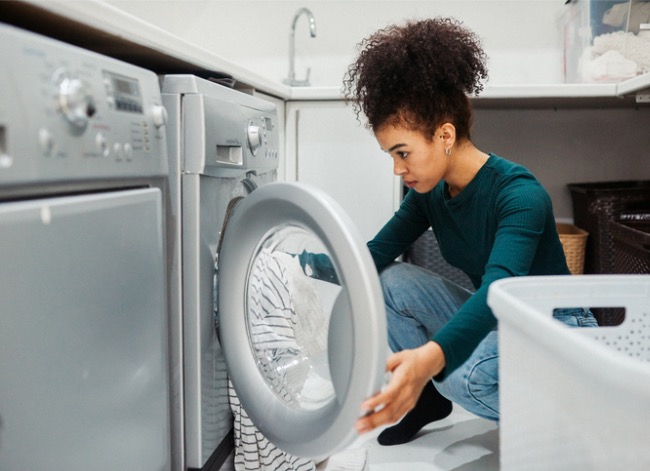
x,y
291,290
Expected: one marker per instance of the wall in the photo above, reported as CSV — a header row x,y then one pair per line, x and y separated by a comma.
x,y
565,143
523,38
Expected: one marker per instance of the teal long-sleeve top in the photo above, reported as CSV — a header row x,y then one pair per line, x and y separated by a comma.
x,y
500,225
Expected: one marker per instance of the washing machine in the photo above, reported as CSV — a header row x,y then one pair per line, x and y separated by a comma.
x,y
246,244
83,187
222,144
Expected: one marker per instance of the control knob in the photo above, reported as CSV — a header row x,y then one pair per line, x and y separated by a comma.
x,y
74,99
254,137
159,116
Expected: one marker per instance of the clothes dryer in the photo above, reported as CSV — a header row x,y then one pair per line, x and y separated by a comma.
x,y
301,365
84,381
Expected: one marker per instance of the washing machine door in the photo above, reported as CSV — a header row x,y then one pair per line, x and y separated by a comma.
x,y
302,318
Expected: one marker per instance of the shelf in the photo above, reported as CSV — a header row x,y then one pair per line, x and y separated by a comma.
x,y
527,96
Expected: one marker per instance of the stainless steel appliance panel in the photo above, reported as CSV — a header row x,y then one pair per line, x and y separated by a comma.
x,y
63,117
83,201
83,337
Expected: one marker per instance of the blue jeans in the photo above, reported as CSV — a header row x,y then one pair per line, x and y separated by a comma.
x,y
419,303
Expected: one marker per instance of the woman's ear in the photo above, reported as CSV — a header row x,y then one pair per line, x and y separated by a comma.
x,y
447,132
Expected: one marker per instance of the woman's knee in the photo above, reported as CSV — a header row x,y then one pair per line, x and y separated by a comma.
x,y
483,383
394,279
393,273
475,384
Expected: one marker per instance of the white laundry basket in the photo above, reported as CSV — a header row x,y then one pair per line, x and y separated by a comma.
x,y
573,398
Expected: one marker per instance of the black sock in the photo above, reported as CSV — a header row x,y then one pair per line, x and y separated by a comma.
x,y
431,406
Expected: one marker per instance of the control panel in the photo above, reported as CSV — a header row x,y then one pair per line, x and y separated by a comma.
x,y
227,133
68,114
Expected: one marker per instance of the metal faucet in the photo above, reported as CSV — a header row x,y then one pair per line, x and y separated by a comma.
x,y
291,80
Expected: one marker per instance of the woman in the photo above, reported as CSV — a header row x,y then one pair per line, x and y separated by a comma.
x,y
491,217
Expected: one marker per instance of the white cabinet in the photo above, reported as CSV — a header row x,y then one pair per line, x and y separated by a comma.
x,y
327,147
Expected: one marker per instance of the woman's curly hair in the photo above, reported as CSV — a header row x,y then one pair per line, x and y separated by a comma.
x,y
418,75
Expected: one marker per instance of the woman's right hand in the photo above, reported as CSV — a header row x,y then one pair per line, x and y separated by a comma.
x,y
411,369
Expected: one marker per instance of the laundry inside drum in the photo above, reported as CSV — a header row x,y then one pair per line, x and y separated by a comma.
x,y
292,286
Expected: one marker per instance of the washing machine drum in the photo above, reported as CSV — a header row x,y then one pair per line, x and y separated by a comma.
x,y
302,318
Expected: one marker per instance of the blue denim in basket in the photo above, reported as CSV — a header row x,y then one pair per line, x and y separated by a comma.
x,y
575,317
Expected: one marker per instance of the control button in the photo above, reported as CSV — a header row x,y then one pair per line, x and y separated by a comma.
x,y
159,115
6,161
128,151
118,150
46,141
102,145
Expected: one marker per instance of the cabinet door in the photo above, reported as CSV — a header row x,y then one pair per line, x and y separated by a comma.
x,y
302,317
83,333
328,148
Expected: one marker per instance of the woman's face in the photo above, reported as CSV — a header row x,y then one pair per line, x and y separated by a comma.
x,y
420,162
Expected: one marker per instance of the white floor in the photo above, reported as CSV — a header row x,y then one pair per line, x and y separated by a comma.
x,y
461,442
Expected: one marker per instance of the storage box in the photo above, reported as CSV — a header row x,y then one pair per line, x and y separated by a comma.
x,y
631,245
573,398
606,41
594,205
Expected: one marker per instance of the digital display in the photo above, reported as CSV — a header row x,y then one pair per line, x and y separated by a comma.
x,y
125,86
125,92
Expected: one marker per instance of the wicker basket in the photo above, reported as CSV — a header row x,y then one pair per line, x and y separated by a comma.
x,y
574,241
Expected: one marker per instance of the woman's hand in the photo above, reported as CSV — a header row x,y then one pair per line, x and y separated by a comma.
x,y
411,370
